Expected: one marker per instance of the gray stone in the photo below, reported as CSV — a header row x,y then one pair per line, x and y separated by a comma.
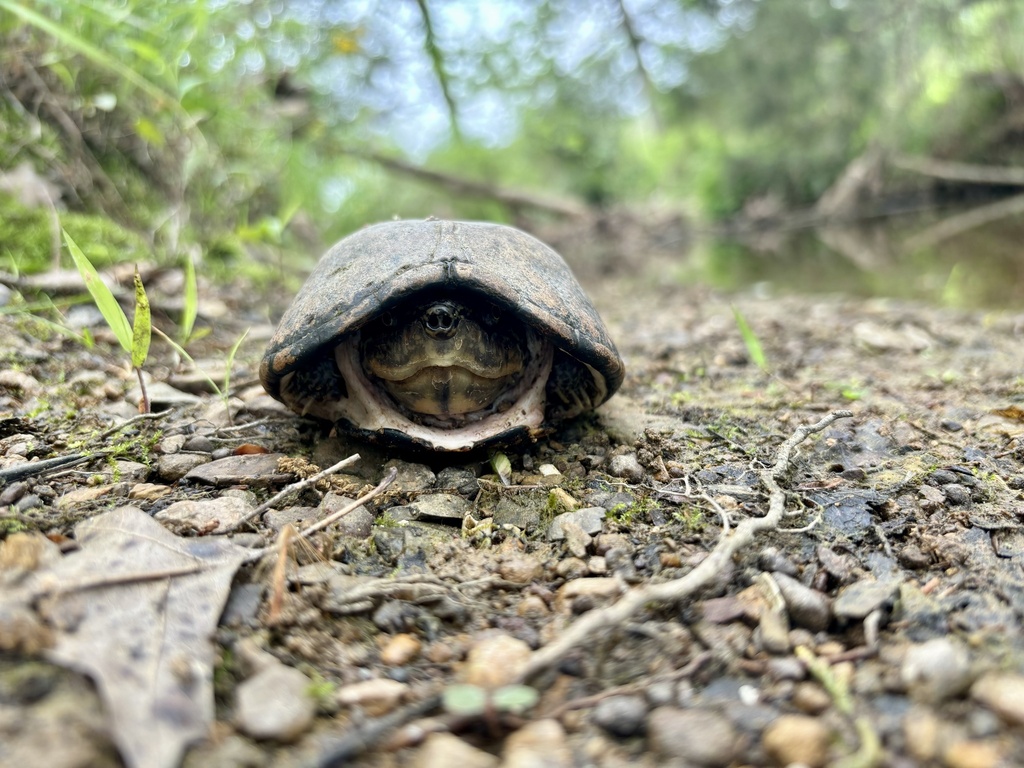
x,y
807,607
199,444
696,736
357,523
445,507
297,517
521,511
538,744
411,477
462,480
173,466
444,750
256,469
224,511
275,704
936,670
627,467
590,521
956,494
1003,693
621,716
859,599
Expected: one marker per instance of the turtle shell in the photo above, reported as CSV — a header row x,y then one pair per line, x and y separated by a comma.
x,y
381,266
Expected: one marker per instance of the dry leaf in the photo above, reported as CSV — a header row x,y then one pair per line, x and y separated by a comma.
x,y
1013,412
135,610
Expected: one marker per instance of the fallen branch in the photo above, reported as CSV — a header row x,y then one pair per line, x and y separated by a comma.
x,y
705,573
975,174
461,187
956,225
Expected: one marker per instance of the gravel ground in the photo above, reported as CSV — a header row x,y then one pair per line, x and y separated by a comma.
x,y
879,623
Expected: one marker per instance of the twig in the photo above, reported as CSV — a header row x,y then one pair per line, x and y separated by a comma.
x,y
705,573
437,61
951,171
972,219
133,420
291,490
334,516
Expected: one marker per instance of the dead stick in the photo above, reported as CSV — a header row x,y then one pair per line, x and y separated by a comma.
x,y
294,488
705,573
305,533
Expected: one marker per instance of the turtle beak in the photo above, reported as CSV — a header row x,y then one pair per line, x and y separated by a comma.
x,y
441,320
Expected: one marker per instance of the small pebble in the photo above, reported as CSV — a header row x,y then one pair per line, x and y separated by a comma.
x,y
1003,693
521,568
571,568
972,754
538,744
811,698
797,739
400,650
495,661
216,515
357,523
807,607
772,560
697,736
174,466
589,520
376,697
577,541
859,599
956,494
532,607
598,590
198,444
19,382
922,731
621,716
411,477
936,670
27,502
627,467
444,750
275,704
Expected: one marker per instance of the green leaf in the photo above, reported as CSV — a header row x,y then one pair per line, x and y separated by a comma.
x,y
231,360
464,700
191,310
142,326
503,467
147,131
105,301
751,341
515,698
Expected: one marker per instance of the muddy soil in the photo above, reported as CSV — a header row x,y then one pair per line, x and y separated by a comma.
x,y
879,625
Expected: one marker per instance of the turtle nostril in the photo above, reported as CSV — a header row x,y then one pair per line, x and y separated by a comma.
x,y
441,320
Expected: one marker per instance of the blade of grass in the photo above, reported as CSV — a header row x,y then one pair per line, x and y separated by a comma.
x,y
191,310
142,324
753,344
101,295
96,55
231,361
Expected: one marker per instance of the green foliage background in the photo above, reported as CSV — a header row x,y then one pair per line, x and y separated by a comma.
x,y
230,123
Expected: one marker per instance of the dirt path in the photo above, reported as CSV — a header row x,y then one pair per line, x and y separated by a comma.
x,y
882,626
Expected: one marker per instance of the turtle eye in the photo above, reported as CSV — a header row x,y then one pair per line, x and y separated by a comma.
x,y
387,320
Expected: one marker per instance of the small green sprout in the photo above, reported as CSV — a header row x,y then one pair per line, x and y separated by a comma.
x,y
134,338
753,344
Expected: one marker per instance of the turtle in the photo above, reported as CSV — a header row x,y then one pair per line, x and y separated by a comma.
x,y
447,335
